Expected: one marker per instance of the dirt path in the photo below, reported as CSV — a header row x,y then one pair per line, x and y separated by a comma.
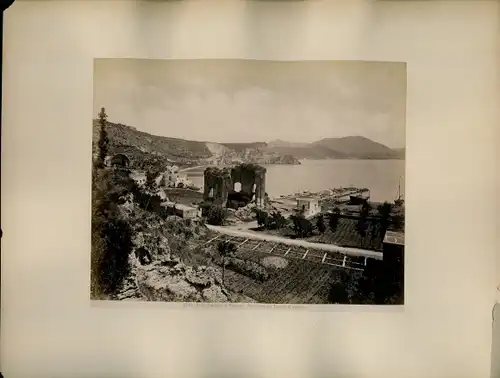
x,y
246,233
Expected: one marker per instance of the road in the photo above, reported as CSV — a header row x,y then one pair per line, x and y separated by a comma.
x,y
246,233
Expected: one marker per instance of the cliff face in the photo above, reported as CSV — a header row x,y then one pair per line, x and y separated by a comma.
x,y
225,154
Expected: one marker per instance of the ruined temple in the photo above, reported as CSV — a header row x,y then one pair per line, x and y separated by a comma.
x,y
220,185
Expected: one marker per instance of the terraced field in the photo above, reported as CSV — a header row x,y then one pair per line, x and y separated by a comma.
x,y
297,283
305,278
263,248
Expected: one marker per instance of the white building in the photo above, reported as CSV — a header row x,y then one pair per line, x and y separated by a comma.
x,y
139,177
175,179
182,180
107,161
309,206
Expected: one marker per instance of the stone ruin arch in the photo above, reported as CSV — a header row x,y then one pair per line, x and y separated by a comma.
x,y
119,160
221,183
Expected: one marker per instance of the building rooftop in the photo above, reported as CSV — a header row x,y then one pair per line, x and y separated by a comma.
x,y
393,237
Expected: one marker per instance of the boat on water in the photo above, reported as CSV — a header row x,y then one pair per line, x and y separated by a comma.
x,y
359,199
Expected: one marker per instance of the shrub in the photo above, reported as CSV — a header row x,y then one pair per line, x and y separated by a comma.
x,y
398,221
216,215
276,221
261,216
248,268
272,221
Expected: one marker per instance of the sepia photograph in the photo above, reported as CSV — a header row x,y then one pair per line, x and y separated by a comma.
x,y
248,181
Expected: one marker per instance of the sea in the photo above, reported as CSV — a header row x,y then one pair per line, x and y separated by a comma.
x,y
384,178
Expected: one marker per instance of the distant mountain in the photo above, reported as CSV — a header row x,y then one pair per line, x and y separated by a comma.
x,y
357,147
309,152
401,152
282,143
351,147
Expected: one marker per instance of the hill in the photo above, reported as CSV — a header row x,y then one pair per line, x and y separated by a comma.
x,y
309,152
152,151
240,147
284,143
358,147
401,152
351,147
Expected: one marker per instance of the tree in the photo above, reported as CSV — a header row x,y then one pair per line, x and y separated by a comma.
x,y
262,217
320,224
384,212
226,249
151,179
362,222
333,219
276,221
365,209
302,226
103,140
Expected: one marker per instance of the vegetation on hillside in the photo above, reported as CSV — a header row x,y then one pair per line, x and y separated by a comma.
x,y
270,221
111,240
380,283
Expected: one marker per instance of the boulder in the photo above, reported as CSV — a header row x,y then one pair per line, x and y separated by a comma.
x,y
158,287
214,294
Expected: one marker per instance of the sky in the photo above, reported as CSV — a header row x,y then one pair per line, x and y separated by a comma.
x,y
255,100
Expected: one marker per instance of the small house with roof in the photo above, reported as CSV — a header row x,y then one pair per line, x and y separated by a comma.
x,y
180,210
309,206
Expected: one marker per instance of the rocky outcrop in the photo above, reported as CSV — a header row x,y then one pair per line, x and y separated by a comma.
x,y
257,153
168,264
180,283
